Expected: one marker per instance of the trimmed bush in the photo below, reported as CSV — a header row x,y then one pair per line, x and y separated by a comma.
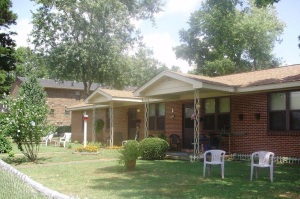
x,y
153,148
62,129
5,144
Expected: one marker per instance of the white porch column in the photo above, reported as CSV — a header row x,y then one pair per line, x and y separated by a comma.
x,y
146,101
196,122
111,134
93,125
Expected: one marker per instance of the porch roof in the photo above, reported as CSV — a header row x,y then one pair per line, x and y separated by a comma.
x,y
106,96
83,106
180,84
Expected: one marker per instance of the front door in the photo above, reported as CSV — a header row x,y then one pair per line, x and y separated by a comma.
x,y
188,126
132,123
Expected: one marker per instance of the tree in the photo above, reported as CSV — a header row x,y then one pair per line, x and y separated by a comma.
x,y
7,45
26,120
264,3
223,38
87,40
29,63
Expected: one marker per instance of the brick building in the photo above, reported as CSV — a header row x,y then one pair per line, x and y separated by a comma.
x,y
60,94
239,113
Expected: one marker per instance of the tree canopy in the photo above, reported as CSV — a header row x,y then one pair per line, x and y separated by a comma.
x,y
264,3
28,63
224,37
7,45
88,40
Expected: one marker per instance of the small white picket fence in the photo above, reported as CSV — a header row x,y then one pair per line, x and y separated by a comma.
x,y
278,159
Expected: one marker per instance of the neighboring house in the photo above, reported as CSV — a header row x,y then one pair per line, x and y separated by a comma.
x,y
239,113
60,94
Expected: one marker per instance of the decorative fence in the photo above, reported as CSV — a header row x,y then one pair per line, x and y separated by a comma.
x,y
25,185
278,159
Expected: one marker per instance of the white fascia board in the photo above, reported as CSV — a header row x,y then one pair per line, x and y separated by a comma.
x,y
127,99
218,88
86,107
268,87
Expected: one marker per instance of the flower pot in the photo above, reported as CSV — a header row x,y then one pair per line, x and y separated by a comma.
x,y
130,164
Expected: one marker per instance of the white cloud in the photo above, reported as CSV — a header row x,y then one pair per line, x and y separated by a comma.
x,y
181,7
23,29
162,44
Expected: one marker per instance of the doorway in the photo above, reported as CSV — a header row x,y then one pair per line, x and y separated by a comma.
x,y
188,126
132,123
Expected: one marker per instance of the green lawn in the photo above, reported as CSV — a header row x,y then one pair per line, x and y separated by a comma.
x,y
100,176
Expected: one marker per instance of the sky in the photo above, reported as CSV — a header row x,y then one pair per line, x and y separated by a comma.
x,y
162,37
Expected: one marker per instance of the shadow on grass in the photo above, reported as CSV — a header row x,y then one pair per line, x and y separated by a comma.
x,y
23,160
180,179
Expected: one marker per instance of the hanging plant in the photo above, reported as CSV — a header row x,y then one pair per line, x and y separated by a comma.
x,y
99,124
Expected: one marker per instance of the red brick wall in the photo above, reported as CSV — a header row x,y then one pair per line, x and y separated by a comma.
x,y
59,99
252,133
256,137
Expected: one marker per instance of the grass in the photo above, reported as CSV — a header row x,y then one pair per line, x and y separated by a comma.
x,y
100,176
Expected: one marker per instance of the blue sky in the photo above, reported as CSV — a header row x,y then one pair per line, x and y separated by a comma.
x,y
164,36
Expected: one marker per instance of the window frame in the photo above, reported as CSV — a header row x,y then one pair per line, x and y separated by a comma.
x,y
288,126
216,114
156,117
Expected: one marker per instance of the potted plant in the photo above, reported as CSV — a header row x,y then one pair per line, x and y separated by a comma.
x,y
129,154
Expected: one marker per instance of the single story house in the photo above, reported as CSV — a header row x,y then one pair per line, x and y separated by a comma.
x,y
239,113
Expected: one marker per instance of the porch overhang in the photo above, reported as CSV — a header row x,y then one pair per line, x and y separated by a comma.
x,y
168,84
106,97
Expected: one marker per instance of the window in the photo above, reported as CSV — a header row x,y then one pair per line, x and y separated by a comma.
x,y
157,116
67,113
52,112
284,111
216,113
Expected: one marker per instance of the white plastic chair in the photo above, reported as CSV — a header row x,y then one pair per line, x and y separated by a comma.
x,y
262,159
66,138
47,138
217,157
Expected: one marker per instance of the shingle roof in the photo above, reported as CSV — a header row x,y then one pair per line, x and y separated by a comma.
x,y
255,78
51,83
263,77
118,93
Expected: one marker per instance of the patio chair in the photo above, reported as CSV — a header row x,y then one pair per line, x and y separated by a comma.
x,y
47,138
175,140
217,157
262,159
66,138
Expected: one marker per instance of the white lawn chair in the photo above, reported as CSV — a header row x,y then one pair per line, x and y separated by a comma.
x,y
262,159
66,138
47,138
216,157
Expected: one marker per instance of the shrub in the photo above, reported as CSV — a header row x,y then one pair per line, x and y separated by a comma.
x,y
11,154
5,144
62,129
153,148
130,151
